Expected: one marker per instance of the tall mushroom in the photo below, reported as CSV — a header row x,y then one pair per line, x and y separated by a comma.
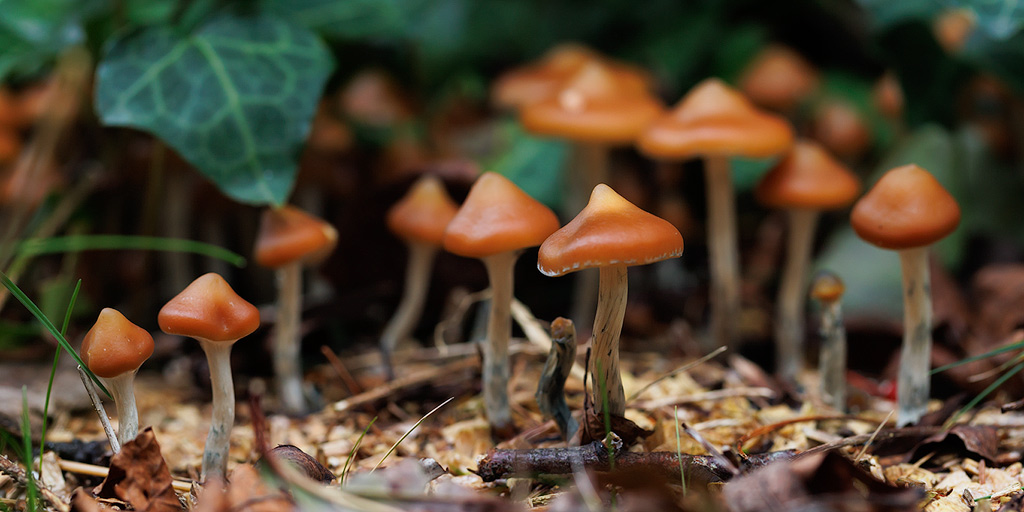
x,y
419,219
495,223
906,211
805,182
114,349
716,122
288,240
212,313
827,288
609,234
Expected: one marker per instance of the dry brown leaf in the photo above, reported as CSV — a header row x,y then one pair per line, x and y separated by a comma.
x,y
138,475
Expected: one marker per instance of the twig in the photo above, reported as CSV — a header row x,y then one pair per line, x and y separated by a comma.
x,y
873,435
887,434
708,396
346,377
402,383
717,456
98,406
81,468
677,371
18,473
767,429
551,388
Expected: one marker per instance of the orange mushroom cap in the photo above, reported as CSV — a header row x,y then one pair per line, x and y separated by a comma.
x,y
907,208
841,128
498,217
827,287
209,309
609,231
778,78
714,119
288,234
115,346
808,177
424,212
596,105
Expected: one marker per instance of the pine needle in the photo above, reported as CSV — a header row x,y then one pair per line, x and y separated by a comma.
x,y
407,432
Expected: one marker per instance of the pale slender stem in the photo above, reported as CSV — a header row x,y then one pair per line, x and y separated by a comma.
x,y
832,361
724,261
789,321
417,282
500,269
215,453
915,361
604,359
287,368
122,390
115,446
590,168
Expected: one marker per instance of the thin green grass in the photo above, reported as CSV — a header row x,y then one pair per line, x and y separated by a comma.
x,y
56,359
407,432
1006,348
352,454
48,325
607,418
679,450
75,243
32,501
981,396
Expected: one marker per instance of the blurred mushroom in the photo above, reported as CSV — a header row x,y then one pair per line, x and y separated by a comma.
x,y
779,78
838,126
827,288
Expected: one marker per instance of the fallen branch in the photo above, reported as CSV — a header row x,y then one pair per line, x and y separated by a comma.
x,y
15,471
388,390
81,468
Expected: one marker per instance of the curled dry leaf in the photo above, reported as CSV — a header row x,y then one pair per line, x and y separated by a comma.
x,y
139,476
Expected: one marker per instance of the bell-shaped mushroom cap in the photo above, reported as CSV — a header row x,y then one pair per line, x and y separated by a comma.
x,y
288,234
778,78
714,119
423,213
209,309
827,287
907,208
809,178
115,346
609,231
498,217
595,105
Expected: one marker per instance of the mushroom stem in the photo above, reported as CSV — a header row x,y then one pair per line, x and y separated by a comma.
x,y
122,390
590,168
500,269
604,362
286,338
915,361
789,323
215,453
417,281
725,271
832,361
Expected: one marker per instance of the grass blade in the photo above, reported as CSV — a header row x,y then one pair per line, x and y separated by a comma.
x,y
352,454
407,432
31,492
981,396
56,359
75,243
679,451
1000,350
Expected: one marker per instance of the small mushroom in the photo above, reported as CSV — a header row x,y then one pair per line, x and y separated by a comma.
x,y
907,211
114,349
779,78
804,183
495,223
288,240
716,122
419,219
212,313
609,234
827,288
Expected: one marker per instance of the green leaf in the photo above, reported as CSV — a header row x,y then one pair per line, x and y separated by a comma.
x,y
1000,19
534,164
74,243
235,97
885,13
33,32
350,19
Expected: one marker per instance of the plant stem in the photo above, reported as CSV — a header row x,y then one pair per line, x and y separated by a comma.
x,y
590,167
551,387
914,378
789,322
604,365
286,339
215,453
417,282
724,262
832,360
500,269
115,446
122,390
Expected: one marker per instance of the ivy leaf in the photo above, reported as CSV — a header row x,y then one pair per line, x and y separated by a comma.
x,y
534,164
33,32
235,97
351,19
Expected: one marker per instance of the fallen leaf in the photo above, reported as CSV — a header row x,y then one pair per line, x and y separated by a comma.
x,y
981,440
138,475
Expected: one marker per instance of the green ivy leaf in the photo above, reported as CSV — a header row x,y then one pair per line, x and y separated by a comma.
x,y
33,32
350,19
234,98
534,164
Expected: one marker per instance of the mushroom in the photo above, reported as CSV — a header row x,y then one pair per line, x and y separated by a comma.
x,y
779,78
289,239
841,128
827,288
906,211
805,182
212,313
495,223
114,349
716,122
597,109
419,219
609,234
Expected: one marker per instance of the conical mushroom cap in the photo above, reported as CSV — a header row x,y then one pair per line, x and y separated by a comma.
x,y
779,78
209,309
907,208
423,213
596,105
115,346
809,178
498,217
714,119
609,231
288,235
